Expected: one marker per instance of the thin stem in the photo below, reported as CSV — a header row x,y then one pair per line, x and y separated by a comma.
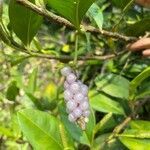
x,y
76,49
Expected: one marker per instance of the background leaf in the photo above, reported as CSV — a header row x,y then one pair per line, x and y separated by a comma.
x,y
32,81
73,10
136,144
24,22
96,13
41,129
139,28
103,103
137,81
12,91
113,85
84,137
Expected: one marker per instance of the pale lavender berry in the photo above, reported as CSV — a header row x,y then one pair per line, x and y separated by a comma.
x,y
77,112
78,97
68,95
84,105
74,87
71,105
80,82
66,85
84,89
71,118
86,113
71,78
66,71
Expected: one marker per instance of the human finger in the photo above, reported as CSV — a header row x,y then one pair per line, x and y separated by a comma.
x,y
146,53
141,44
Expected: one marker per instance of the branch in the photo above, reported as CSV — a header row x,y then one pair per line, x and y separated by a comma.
x,y
69,58
50,16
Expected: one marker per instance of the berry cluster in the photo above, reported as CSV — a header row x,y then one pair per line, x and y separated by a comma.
x,y
76,97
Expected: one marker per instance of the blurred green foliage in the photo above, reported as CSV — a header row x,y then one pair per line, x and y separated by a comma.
x,y
32,109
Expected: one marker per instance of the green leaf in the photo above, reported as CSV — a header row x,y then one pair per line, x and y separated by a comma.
x,y
140,125
6,131
103,103
90,127
73,10
84,137
32,81
144,89
101,144
96,13
102,122
135,144
24,22
12,91
138,29
41,129
137,81
113,85
134,133
99,141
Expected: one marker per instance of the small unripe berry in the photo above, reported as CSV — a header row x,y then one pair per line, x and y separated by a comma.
x,y
71,118
78,97
66,71
74,87
80,82
84,105
86,113
67,95
71,105
71,78
84,89
66,85
77,112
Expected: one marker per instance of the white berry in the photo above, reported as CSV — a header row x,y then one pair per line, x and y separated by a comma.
x,y
86,113
67,95
71,105
71,118
66,85
77,112
66,71
84,105
84,89
74,87
71,78
78,97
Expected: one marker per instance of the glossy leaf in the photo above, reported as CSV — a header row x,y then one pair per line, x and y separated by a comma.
x,y
113,85
136,144
73,10
101,144
41,129
96,13
134,133
140,125
137,81
84,137
102,122
103,103
24,22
